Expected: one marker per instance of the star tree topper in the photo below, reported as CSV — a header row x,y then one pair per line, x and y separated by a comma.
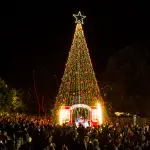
x,y
79,18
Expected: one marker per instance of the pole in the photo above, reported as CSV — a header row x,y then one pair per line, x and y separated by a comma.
x,y
36,94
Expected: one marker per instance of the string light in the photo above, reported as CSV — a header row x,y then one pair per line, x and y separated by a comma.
x,y
79,82
80,106
79,18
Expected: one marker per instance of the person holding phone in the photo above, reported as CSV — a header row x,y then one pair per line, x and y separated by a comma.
x,y
64,147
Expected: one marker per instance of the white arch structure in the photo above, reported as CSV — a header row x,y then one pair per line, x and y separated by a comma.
x,y
95,113
80,106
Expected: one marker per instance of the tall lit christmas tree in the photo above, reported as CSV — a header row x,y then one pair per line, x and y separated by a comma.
x,y
79,84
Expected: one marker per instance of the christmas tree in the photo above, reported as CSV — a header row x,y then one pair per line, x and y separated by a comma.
x,y
79,84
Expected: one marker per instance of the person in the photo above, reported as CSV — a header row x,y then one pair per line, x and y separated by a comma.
x,y
64,147
2,146
96,144
137,147
19,142
28,145
87,144
50,145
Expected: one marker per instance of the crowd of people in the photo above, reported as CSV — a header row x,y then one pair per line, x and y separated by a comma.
x,y
19,132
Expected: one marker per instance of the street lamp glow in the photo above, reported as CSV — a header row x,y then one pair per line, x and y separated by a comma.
x,y
61,116
99,111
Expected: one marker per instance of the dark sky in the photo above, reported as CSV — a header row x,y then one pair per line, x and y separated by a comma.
x,y
39,37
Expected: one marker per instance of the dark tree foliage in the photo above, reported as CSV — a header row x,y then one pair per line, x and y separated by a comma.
x,y
3,93
10,99
128,74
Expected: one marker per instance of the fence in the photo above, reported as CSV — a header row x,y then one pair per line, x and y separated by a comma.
x,y
130,120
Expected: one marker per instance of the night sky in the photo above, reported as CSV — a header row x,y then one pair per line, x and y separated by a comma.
x,y
39,38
